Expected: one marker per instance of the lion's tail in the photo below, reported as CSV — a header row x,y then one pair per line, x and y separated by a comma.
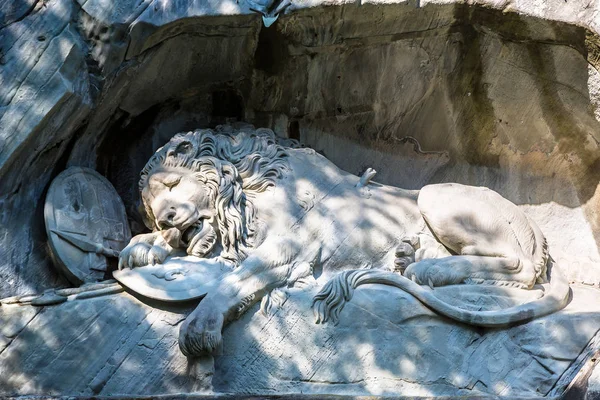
x,y
330,301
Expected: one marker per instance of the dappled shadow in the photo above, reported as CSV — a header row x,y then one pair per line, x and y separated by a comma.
x,y
120,345
367,126
388,343
44,101
110,345
368,354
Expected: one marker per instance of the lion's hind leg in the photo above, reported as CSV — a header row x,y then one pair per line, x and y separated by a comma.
x,y
485,232
466,269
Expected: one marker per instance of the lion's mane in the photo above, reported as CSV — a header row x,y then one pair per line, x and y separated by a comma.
x,y
234,165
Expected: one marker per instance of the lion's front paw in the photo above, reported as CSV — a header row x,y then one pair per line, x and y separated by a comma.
x,y
134,255
141,254
200,333
435,272
405,253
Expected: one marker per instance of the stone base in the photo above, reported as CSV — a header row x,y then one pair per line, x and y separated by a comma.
x,y
119,345
102,346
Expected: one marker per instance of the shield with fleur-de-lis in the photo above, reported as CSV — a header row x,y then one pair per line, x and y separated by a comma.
x,y
85,222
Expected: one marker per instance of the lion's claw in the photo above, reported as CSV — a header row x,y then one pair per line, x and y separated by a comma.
x,y
141,254
200,333
405,255
134,255
204,343
435,272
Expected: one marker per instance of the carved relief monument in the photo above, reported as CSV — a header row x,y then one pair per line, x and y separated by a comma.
x,y
232,198
347,200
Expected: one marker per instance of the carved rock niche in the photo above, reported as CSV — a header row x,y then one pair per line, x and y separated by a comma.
x,y
497,94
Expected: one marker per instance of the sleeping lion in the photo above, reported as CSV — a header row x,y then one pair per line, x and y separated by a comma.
x,y
278,214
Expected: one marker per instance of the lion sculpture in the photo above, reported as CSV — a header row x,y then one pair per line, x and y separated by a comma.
x,y
276,212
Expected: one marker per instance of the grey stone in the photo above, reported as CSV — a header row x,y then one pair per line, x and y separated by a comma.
x,y
44,99
177,279
388,343
85,223
593,387
501,94
14,11
107,345
118,345
319,79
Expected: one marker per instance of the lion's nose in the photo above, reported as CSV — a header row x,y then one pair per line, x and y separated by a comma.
x,y
165,219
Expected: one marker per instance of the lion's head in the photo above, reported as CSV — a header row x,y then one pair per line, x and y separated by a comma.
x,y
197,189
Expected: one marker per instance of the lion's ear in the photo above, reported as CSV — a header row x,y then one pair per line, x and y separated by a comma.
x,y
185,148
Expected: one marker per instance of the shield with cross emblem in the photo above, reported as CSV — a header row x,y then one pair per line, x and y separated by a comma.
x,y
86,223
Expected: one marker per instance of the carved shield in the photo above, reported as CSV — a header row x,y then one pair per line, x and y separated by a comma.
x,y
83,206
177,279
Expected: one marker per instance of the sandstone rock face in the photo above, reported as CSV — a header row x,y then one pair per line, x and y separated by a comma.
x,y
500,94
386,343
45,99
109,345
503,94
396,345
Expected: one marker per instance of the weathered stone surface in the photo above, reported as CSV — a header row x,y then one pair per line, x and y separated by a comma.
x,y
177,279
421,92
386,343
593,387
442,105
103,346
503,94
43,66
14,11
86,224
43,100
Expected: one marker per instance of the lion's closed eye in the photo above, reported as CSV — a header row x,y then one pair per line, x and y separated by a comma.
x,y
171,183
